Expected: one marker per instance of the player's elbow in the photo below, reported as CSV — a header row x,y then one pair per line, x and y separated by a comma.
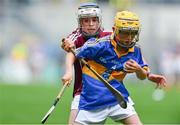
x,y
141,76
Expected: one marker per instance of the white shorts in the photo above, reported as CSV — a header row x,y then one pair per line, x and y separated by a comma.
x,y
116,113
75,102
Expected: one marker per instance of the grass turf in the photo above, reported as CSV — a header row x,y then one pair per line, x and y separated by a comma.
x,y
27,104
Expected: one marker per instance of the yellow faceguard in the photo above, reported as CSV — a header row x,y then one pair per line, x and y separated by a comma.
x,y
128,22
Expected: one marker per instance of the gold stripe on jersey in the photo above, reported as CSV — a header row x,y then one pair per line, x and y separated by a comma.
x,y
146,68
119,75
97,67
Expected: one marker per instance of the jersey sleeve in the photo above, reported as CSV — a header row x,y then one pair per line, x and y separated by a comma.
x,y
74,36
142,61
145,65
89,50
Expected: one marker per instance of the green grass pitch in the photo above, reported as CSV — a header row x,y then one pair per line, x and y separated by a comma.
x,y
27,104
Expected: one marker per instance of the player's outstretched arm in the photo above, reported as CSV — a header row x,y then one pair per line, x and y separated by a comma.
x,y
160,80
67,77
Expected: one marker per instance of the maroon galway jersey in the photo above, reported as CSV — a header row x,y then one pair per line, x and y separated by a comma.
x,y
79,41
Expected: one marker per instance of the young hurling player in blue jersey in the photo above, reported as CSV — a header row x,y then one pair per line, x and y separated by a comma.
x,y
113,57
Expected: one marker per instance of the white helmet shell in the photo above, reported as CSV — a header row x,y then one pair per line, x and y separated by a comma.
x,y
89,10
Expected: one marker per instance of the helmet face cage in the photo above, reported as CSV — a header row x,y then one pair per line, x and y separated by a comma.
x,y
88,10
127,23
134,35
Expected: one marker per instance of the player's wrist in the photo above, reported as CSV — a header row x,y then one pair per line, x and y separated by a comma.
x,y
148,74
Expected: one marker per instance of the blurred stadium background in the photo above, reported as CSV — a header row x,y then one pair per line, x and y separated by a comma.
x,y
32,63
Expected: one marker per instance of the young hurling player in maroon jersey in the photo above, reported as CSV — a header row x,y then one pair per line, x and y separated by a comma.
x,y
89,25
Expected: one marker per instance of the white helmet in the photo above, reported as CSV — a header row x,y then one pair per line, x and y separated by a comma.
x,y
86,10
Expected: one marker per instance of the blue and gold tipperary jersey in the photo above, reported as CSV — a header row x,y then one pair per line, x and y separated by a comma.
x,y
103,56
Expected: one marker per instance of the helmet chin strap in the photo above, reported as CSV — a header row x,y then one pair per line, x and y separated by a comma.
x,y
126,46
119,43
88,36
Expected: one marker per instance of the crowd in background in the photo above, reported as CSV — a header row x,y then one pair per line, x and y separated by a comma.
x,y
30,32
30,59
170,64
